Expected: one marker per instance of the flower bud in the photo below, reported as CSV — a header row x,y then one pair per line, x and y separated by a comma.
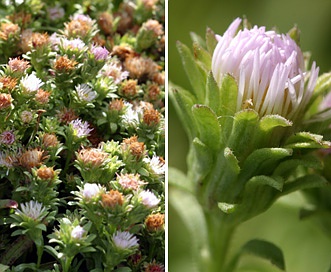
x,y
31,158
148,34
155,222
46,173
50,140
268,67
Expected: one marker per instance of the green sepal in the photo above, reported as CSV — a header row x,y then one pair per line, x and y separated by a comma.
x,y
306,140
198,39
199,161
202,56
263,161
193,72
208,127
241,139
285,169
304,182
183,102
211,41
323,85
227,207
265,250
269,122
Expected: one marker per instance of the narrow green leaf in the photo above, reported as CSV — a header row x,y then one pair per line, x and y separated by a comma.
x,y
211,41
265,250
305,182
208,126
178,179
199,161
213,97
191,213
269,181
183,102
198,39
195,76
202,56
307,140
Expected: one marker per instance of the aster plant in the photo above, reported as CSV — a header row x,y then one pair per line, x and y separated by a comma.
x,y
82,135
250,118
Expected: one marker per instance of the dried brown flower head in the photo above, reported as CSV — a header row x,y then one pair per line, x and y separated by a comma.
x,y
92,156
126,17
149,4
46,173
129,88
112,199
78,28
39,39
32,158
141,68
50,140
116,105
99,40
137,149
8,30
8,82
158,78
64,64
123,52
153,92
130,181
154,267
5,101
67,115
154,26
26,37
155,222
105,22
151,117
18,65
42,97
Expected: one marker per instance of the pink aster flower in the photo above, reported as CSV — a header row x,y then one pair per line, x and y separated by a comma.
x,y
77,232
124,239
91,190
100,53
7,137
73,44
114,70
268,67
81,128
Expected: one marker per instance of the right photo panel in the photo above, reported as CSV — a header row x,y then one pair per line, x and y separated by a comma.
x,y
249,136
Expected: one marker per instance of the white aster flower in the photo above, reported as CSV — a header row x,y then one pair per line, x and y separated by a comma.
x,y
77,232
32,209
131,116
124,239
268,67
91,190
156,164
148,199
31,83
73,44
85,92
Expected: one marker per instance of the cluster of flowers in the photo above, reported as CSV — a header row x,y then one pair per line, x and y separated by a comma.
x,y
82,136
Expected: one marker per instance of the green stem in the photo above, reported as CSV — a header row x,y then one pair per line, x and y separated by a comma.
x,y
67,264
220,236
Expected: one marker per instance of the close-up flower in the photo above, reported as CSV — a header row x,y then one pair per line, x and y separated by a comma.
x,y
80,128
85,92
91,190
31,83
269,69
149,199
77,232
32,209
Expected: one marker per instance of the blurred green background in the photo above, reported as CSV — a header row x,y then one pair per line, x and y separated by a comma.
x,y
306,247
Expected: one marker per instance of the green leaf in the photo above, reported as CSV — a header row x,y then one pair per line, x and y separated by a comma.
x,y
199,159
191,213
306,140
265,250
323,85
195,76
213,97
305,182
3,268
211,41
123,269
198,39
178,179
227,207
183,102
208,126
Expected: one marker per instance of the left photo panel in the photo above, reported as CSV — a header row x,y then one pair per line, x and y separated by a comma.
x,y
82,135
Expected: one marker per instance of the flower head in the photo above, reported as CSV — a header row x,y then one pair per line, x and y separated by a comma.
x,y
5,101
124,239
148,199
31,83
100,53
77,232
7,137
114,70
81,128
91,190
157,164
32,209
85,92
268,67
130,181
